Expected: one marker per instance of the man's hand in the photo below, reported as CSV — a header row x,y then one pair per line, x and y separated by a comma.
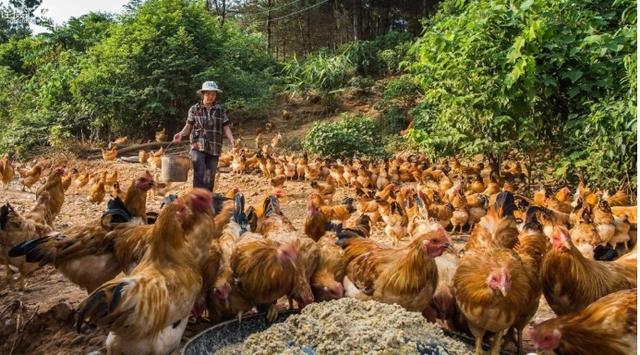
x,y
177,138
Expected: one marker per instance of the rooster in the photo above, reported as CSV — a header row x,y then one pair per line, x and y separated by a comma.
x,y
496,280
88,255
147,311
407,276
607,326
571,282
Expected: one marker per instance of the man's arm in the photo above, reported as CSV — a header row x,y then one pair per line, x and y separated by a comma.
x,y
186,130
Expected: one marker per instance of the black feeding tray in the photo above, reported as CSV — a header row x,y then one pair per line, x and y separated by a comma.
x,y
233,332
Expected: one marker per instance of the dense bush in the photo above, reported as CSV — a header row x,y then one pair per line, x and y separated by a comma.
x,y
348,137
499,76
102,76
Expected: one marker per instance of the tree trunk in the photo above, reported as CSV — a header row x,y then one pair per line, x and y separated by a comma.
x,y
357,25
269,26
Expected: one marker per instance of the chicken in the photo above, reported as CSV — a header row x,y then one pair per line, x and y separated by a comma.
x,y
264,271
316,223
147,311
121,140
460,215
494,280
275,142
584,234
161,135
143,156
68,179
326,281
395,219
31,176
497,227
81,180
325,189
607,326
15,229
111,178
603,220
109,154
571,282
7,171
275,226
630,212
116,192
278,181
88,255
406,276
340,212
156,158
620,198
54,187
97,193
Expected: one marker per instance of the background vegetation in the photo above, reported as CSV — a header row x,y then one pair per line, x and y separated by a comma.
x,y
544,80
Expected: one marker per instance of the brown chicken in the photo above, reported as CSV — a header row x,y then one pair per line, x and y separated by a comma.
x,y
497,227
407,276
325,189
584,234
571,282
492,280
316,223
89,255
54,187
607,326
97,192
15,229
326,281
68,179
109,154
340,212
30,177
7,171
275,226
161,135
148,310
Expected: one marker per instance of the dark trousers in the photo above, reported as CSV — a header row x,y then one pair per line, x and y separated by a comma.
x,y
204,169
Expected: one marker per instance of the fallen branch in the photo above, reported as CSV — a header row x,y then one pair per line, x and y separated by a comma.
x,y
134,148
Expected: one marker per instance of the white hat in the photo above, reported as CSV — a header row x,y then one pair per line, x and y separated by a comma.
x,y
209,86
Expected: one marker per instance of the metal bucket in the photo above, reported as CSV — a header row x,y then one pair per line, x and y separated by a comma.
x,y
174,168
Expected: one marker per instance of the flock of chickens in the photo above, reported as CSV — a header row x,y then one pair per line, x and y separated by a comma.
x,y
209,255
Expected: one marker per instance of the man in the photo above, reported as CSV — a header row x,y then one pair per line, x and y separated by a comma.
x,y
205,123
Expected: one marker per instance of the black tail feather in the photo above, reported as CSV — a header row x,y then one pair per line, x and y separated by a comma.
x,y
30,250
505,203
99,304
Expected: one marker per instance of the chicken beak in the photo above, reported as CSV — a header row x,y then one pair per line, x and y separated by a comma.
x,y
503,291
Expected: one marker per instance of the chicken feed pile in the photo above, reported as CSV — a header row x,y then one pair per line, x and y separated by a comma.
x,y
351,326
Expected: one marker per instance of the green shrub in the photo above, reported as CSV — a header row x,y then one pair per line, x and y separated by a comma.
x,y
499,76
350,136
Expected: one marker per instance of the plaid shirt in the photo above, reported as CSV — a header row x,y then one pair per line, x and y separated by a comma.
x,y
206,135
